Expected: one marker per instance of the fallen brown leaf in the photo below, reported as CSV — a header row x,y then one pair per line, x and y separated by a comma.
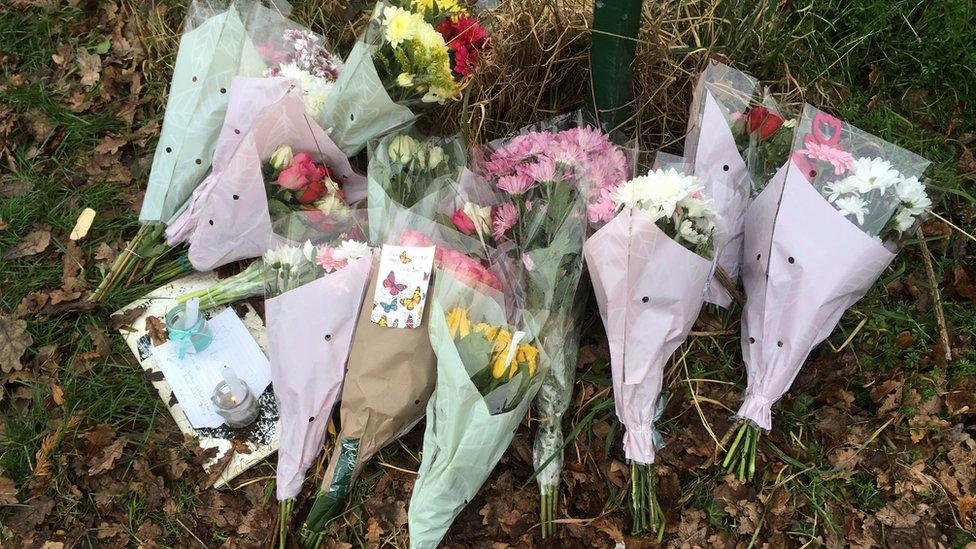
x,y
157,330
8,492
106,458
125,319
34,243
89,68
14,340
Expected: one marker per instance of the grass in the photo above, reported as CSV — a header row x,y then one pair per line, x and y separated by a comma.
x,y
904,70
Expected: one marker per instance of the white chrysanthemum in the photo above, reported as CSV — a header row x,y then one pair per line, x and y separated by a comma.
x,y
852,206
633,192
688,231
840,187
870,174
315,90
696,205
350,249
904,220
272,258
912,195
401,25
429,38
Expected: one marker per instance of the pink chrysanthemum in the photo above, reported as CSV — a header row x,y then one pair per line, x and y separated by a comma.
x,y
840,159
503,219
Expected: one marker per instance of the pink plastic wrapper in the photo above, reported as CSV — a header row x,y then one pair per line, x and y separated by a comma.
x,y
310,330
804,265
711,148
249,96
650,290
234,222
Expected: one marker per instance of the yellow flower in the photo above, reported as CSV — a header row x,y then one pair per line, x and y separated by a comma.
x,y
429,38
527,354
400,25
458,323
498,365
448,6
422,4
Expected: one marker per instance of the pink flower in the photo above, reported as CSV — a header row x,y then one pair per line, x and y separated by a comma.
x,y
527,261
503,218
414,239
543,170
603,209
301,172
462,222
466,269
839,159
325,258
514,184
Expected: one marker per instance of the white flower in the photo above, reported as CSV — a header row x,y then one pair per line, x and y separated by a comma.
x,y
658,192
686,230
292,256
852,206
272,258
632,192
840,187
281,158
481,215
904,220
331,204
315,90
309,251
696,205
912,195
435,155
405,79
869,174
350,249
402,148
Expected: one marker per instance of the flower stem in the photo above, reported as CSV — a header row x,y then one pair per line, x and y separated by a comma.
x,y
741,457
284,513
648,517
548,502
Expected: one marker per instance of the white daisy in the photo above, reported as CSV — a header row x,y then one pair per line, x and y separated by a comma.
x,y
869,174
852,206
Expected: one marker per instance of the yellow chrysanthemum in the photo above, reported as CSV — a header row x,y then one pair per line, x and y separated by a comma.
x,y
401,25
458,323
448,6
422,4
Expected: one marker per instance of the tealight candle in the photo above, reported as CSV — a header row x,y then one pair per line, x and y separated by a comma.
x,y
187,326
234,400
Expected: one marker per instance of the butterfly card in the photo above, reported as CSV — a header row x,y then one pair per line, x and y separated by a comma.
x,y
401,287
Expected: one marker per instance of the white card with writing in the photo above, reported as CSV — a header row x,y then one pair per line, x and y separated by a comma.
x,y
194,377
401,286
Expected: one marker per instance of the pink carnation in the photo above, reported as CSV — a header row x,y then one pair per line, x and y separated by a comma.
x,y
414,239
325,258
503,218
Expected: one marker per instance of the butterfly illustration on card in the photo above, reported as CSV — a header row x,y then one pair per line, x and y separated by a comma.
x,y
389,307
410,323
412,301
382,322
426,277
404,258
391,285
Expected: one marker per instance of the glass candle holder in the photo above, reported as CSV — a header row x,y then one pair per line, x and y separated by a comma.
x,y
188,326
234,401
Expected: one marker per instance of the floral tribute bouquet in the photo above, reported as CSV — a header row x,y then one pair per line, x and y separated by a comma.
x,y
417,52
816,239
489,366
316,277
724,124
392,366
215,48
409,173
650,265
528,197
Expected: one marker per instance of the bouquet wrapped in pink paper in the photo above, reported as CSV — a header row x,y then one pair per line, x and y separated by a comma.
x,y
720,128
816,238
317,270
650,265
286,162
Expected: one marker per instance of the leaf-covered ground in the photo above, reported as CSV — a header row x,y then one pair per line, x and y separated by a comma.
x,y
874,445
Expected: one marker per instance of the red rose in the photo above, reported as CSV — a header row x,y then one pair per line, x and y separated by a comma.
x,y
301,172
462,222
763,121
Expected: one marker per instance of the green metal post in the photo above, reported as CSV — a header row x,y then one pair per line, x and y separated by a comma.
x,y
613,44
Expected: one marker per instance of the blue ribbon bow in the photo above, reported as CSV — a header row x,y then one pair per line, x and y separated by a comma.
x,y
194,335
